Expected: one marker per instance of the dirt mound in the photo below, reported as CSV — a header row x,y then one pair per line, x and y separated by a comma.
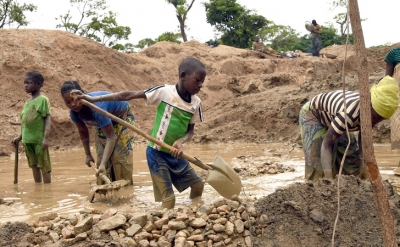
x,y
258,99
312,207
11,233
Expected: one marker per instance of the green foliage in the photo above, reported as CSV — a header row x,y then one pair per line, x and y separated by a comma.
x,y
96,23
145,43
237,24
281,38
170,37
182,9
12,12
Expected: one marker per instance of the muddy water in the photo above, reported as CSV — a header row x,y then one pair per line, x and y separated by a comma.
x,y
72,180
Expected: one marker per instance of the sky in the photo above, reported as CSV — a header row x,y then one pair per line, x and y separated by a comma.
x,y
150,18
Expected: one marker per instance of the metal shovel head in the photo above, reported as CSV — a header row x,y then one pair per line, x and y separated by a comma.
x,y
223,178
397,171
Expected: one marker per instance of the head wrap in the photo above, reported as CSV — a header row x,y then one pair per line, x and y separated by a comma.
x,y
385,97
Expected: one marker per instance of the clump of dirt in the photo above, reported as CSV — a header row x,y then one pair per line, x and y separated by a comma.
x,y
258,98
304,215
14,232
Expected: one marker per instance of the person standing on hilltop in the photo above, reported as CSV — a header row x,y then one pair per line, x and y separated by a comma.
x,y
35,128
392,59
316,38
178,109
114,142
323,129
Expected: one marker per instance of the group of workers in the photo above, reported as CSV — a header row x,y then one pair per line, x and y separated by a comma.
x,y
323,121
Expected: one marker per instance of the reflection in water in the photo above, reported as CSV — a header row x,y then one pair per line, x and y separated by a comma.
x,y
72,180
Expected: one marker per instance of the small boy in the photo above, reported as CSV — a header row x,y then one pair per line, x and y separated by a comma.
x,y
178,109
35,129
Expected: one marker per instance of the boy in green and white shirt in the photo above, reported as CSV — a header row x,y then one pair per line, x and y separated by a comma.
x,y
178,109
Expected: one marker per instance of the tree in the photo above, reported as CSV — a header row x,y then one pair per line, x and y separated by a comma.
x,y
341,18
237,24
144,43
281,38
95,23
11,12
170,37
182,9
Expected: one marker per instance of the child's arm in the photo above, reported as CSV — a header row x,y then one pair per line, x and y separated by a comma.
x,y
121,96
178,144
47,125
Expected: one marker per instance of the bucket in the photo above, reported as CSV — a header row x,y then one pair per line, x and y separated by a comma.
x,y
309,26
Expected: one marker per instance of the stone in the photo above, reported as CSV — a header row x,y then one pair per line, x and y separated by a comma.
x,y
219,202
197,223
213,216
164,244
108,213
170,235
67,242
214,238
133,229
233,204
66,233
239,226
223,208
140,219
73,219
204,210
114,234
96,218
218,228
241,209
180,242
221,221
54,236
196,238
176,225
143,243
40,229
141,236
159,223
127,242
247,240
252,211
81,237
112,222
181,234
229,228
317,216
245,215
246,233
84,225
149,226
48,217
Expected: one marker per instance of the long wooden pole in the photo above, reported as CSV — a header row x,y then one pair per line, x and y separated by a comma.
x,y
382,202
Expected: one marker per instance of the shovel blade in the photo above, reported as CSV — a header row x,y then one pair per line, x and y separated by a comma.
x,y
397,171
224,179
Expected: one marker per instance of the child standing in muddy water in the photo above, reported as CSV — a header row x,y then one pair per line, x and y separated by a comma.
x,y
35,128
178,109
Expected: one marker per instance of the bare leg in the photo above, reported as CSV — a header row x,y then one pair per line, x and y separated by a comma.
x,y
37,174
196,189
46,177
169,204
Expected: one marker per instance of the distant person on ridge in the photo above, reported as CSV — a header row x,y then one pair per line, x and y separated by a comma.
x,y
323,129
178,109
259,46
35,128
316,38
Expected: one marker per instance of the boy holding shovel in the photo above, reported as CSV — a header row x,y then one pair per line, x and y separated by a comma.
x,y
178,109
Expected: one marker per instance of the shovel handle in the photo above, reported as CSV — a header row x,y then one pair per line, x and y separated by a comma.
x,y
190,158
16,164
102,175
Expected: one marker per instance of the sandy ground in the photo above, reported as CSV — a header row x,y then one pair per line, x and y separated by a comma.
x,y
245,97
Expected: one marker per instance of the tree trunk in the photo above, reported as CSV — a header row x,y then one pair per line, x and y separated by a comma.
x,y
382,202
182,27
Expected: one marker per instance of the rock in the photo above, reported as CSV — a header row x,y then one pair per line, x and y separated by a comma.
x,y
224,208
203,210
128,242
219,202
164,244
40,229
197,223
141,236
140,219
272,171
221,221
48,217
180,242
54,236
170,235
229,228
81,237
133,229
96,234
84,225
111,223
317,216
252,211
114,234
159,223
108,213
218,228
239,226
96,218
143,243
176,225
202,244
196,238
149,226
66,233
213,216
214,238
233,204
67,242
73,219
245,216
247,240
182,217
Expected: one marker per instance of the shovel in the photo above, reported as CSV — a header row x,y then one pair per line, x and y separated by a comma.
x,y
220,175
106,189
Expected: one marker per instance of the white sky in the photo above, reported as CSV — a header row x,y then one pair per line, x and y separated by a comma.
x,y
150,18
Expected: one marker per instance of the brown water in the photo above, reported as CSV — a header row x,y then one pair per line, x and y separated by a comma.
x,y
72,180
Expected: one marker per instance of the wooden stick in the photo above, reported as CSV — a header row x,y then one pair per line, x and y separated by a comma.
x,y
16,164
382,202
191,159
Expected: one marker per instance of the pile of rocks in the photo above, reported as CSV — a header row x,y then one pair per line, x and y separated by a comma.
x,y
223,223
252,166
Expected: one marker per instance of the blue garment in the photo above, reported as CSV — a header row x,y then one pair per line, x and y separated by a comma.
x,y
116,108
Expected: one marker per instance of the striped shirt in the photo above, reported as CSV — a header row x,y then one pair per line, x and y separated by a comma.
x,y
328,108
393,57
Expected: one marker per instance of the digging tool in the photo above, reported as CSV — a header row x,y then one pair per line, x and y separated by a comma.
x,y
397,171
16,165
106,189
220,175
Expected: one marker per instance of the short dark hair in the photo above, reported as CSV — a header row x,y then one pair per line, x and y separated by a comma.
x,y
314,22
35,76
68,86
190,64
